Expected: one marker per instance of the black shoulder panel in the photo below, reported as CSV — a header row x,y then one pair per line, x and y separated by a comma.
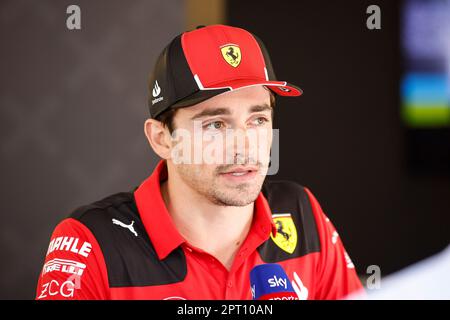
x,y
290,197
130,260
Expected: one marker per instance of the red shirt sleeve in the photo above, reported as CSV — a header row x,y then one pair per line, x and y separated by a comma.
x,y
336,273
74,266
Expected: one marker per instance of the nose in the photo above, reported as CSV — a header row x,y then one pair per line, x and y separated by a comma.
x,y
242,145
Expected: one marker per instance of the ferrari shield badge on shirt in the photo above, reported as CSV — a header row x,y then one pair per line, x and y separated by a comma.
x,y
286,237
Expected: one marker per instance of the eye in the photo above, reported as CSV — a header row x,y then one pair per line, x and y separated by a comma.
x,y
260,121
215,125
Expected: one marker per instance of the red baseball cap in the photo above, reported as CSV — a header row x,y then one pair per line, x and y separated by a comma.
x,y
210,60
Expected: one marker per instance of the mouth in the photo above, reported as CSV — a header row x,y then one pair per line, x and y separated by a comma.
x,y
240,174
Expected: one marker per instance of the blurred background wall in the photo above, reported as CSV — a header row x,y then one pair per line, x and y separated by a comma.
x,y
73,104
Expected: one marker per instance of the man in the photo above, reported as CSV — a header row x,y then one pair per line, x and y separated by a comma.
x,y
198,225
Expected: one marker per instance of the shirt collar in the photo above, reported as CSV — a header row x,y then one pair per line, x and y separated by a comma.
x,y
159,224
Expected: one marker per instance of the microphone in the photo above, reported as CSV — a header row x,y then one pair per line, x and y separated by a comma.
x,y
270,282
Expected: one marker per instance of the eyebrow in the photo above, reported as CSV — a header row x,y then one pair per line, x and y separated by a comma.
x,y
225,111
260,108
211,112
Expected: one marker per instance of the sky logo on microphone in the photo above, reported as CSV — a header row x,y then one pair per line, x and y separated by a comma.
x,y
270,282
277,282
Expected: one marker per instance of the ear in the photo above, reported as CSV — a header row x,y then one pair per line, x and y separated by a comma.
x,y
158,137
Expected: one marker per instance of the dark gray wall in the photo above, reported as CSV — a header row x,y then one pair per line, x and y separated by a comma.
x,y
72,108
344,138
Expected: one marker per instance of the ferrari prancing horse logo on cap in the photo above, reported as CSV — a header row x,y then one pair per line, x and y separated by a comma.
x,y
232,54
286,237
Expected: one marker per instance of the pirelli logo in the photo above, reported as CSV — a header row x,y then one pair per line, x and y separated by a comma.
x,y
65,266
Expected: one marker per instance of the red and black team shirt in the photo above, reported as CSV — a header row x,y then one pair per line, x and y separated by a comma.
x,y
127,247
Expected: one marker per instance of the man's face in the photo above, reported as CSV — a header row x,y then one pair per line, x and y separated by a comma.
x,y
229,142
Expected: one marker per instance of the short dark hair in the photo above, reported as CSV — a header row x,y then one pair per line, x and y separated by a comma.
x,y
167,117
